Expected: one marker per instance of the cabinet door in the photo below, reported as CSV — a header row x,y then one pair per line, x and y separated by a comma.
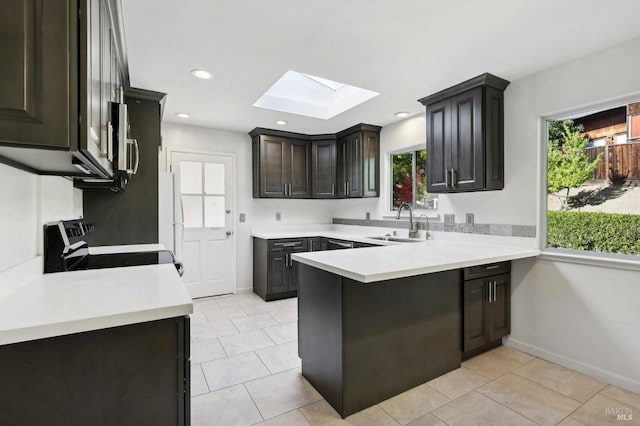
x,y
299,177
342,173
106,78
467,144
323,160
371,164
354,166
274,167
278,271
92,125
38,81
494,138
438,145
499,312
476,298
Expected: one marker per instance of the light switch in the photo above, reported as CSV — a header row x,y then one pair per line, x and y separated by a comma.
x,y
242,217
278,216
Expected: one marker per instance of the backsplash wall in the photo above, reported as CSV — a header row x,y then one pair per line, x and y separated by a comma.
x,y
29,201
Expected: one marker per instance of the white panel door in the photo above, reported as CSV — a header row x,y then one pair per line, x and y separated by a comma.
x,y
204,203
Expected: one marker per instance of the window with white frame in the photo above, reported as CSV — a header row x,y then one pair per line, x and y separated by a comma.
x,y
593,172
409,180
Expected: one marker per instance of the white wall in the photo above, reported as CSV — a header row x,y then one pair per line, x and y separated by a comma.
x,y
582,316
28,202
177,137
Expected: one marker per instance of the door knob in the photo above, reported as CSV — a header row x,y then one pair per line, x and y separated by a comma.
x,y
229,233
228,211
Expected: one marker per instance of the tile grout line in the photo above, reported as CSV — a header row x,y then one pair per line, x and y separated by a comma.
x,y
254,402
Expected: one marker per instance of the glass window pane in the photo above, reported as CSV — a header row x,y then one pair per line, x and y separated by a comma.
x,y
422,198
214,212
192,207
190,177
214,178
402,170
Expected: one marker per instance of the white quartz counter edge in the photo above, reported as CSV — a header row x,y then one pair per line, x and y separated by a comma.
x,y
338,235
374,264
73,302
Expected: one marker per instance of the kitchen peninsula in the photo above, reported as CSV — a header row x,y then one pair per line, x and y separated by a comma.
x,y
375,322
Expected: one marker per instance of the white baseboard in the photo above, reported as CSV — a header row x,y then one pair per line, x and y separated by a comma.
x,y
574,364
244,290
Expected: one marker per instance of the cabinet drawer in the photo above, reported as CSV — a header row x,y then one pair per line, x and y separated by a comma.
x,y
486,270
290,244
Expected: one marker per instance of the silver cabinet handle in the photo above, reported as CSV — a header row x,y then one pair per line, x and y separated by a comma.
x,y
495,290
292,244
290,190
490,291
333,189
446,178
492,266
286,260
137,149
109,141
348,188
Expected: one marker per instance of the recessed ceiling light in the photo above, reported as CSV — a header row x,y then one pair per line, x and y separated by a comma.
x,y
281,122
182,115
205,75
401,114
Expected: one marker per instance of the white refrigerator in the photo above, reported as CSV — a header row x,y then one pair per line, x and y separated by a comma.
x,y
170,214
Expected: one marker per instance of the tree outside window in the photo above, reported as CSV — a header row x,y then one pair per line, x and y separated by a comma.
x,y
409,180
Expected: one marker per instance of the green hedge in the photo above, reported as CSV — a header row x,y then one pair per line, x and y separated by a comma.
x,y
604,232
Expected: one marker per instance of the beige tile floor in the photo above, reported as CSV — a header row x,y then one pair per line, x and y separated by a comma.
x,y
245,370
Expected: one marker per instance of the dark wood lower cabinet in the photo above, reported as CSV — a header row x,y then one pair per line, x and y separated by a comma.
x,y
274,272
136,374
486,312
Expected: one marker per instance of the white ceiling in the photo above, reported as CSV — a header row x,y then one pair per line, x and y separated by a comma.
x,y
403,49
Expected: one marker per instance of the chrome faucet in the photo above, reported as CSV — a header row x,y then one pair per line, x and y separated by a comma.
x,y
427,235
413,228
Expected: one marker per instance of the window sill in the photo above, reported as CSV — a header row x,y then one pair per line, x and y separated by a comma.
x,y
607,260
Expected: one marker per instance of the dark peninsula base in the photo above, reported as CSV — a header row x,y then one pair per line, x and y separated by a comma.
x,y
363,343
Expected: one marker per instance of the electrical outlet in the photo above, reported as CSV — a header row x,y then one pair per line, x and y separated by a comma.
x,y
242,217
367,216
449,219
469,219
278,216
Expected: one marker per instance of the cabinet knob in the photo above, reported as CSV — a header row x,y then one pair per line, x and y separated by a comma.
x,y
229,233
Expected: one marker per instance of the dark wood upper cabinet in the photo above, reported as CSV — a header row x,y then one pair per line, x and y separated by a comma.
x,y
294,165
62,63
37,84
465,136
324,168
281,166
359,161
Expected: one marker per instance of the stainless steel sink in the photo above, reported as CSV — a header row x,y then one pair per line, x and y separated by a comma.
x,y
396,239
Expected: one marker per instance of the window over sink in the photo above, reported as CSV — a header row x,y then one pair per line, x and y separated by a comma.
x,y
409,180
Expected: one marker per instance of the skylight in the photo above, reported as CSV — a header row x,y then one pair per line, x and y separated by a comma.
x,y
312,96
